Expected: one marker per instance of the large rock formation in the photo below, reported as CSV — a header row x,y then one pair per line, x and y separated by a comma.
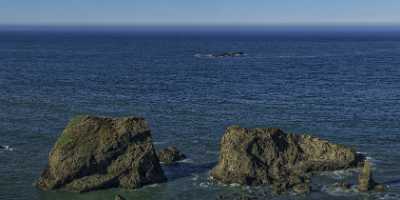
x,y
170,155
269,156
366,181
95,152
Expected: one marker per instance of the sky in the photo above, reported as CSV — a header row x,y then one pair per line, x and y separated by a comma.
x,y
199,12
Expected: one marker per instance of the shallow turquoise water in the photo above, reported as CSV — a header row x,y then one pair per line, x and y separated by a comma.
x,y
345,88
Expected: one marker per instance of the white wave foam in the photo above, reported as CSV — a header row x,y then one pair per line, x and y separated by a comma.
x,y
159,142
338,191
387,196
195,177
340,174
187,160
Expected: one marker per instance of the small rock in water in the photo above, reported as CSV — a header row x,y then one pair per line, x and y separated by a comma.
x,y
119,197
170,155
228,54
365,180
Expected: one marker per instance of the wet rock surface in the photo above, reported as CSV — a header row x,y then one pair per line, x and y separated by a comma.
x,y
97,152
263,156
170,155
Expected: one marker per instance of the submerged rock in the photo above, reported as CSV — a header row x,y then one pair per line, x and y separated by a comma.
x,y
95,152
366,181
170,155
262,156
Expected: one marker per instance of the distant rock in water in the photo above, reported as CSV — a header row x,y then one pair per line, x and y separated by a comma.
x,y
228,54
170,155
95,153
366,181
262,156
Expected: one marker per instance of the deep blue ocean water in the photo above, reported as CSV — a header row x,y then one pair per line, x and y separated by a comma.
x,y
344,87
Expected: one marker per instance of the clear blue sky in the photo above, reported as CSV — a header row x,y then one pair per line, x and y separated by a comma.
x,y
199,12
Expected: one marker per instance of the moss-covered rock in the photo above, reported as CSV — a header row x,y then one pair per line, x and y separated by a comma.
x,y
269,156
97,152
170,155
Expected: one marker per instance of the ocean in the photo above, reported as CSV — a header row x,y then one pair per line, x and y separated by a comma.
x,y
343,86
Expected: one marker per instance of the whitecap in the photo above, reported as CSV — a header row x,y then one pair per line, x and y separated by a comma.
x,y
187,160
153,185
387,196
340,174
204,185
157,143
195,177
234,184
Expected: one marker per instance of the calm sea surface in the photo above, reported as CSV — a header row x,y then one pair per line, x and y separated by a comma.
x,y
344,87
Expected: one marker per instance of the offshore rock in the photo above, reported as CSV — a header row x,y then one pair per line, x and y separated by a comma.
x,y
228,54
263,156
96,152
170,155
366,181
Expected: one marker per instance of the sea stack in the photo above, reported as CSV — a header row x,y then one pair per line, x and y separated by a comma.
x,y
170,155
262,156
99,152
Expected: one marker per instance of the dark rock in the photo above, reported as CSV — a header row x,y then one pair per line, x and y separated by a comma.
x,y
119,197
2,147
228,54
170,155
95,153
365,180
262,156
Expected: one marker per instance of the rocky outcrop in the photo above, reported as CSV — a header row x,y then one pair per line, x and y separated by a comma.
x,y
170,155
95,152
269,156
366,181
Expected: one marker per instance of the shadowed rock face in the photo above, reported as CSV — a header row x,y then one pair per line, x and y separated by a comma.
x,y
94,153
170,155
270,156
